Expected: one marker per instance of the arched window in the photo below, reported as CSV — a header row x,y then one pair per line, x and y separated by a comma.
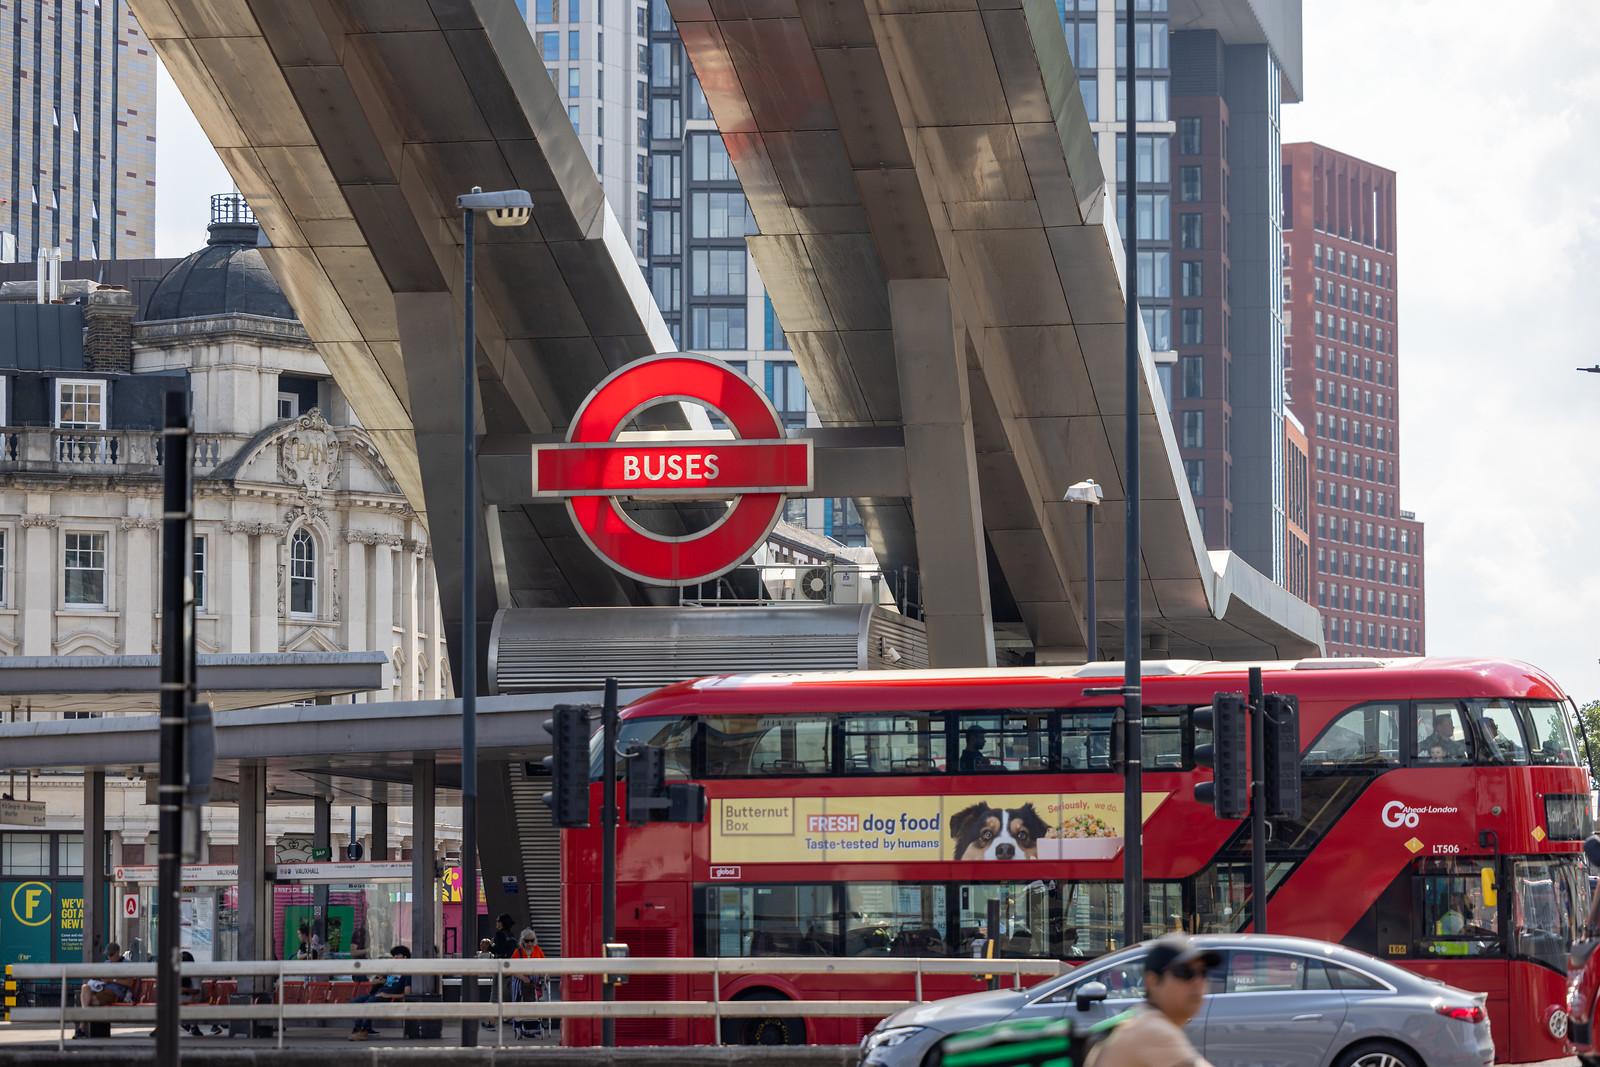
x,y
302,574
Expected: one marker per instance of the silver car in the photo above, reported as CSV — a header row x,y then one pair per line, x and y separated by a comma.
x,y
1287,1001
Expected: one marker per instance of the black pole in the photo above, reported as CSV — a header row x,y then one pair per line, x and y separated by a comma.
x,y
175,651
608,846
1090,616
1133,624
469,645
1258,804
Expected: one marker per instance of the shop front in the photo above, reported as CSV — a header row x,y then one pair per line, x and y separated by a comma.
x,y
41,897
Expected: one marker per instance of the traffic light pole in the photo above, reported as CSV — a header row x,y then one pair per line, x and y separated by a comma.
x,y
177,666
1258,802
608,846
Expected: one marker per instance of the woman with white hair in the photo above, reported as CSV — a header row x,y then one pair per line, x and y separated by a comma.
x,y
531,986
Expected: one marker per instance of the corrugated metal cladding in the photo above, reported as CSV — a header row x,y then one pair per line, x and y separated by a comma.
x,y
534,650
539,650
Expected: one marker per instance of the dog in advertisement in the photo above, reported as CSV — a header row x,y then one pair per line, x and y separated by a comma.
x,y
986,831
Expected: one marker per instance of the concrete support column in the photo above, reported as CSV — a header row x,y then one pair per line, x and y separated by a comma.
x,y
266,603
139,603
430,343
238,602
931,356
97,925
423,878
321,836
255,913
40,567
380,832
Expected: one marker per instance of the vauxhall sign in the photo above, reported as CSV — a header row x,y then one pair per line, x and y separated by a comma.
x,y
595,470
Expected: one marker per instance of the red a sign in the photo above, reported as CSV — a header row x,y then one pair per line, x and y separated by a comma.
x,y
594,470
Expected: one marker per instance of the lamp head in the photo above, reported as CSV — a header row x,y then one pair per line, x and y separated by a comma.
x,y
1087,491
507,207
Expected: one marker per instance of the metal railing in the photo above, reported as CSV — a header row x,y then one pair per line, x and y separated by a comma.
x,y
499,1010
767,584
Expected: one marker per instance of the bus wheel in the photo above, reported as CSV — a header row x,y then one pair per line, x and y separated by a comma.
x,y
764,1029
1378,1054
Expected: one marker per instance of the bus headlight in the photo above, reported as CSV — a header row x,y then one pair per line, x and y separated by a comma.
x,y
1557,1024
889,1038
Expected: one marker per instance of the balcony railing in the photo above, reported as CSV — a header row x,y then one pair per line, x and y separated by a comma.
x,y
45,449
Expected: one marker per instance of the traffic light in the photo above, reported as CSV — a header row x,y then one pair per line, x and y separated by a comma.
x,y
1228,792
568,765
652,799
647,783
1281,750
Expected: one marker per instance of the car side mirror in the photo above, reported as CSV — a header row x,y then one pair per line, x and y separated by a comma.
x,y
1591,850
1090,993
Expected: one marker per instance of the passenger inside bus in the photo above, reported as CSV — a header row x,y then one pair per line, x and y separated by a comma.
x,y
973,758
1442,739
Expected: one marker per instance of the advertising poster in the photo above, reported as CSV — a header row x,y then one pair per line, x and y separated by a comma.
x,y
999,827
26,909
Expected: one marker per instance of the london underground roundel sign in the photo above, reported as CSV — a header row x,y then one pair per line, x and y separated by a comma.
x,y
596,469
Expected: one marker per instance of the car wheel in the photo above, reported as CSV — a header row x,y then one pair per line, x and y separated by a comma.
x,y
764,1030
1377,1054
1589,1061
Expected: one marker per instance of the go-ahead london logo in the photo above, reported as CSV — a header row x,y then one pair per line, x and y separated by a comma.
x,y
1398,813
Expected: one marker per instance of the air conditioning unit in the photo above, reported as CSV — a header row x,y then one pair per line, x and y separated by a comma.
x,y
815,584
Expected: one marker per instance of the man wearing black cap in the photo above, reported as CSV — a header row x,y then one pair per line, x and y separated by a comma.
x,y
1175,984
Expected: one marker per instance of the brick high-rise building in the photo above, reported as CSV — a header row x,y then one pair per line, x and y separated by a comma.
x,y
79,167
1343,382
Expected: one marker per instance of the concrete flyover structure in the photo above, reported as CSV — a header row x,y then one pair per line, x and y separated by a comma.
x,y
938,243
933,229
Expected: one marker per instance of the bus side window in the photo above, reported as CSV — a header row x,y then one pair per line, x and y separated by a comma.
x,y
1086,739
1499,731
672,735
739,746
1365,736
910,743
1441,737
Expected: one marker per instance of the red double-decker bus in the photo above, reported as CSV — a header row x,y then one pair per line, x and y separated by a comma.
x,y
878,813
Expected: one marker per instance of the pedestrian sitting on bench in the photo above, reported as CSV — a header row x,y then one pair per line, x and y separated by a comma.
x,y
103,993
392,988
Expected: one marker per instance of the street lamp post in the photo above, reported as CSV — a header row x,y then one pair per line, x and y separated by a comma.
x,y
1088,493
510,207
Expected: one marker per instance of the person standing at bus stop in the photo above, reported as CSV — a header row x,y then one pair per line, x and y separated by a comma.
x,y
1175,986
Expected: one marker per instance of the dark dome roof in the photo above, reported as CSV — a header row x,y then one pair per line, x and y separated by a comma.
x,y
227,276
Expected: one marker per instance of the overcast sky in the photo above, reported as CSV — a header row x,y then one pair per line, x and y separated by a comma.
x,y
1493,125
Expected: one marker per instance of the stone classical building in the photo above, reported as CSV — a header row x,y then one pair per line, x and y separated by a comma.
x,y
303,540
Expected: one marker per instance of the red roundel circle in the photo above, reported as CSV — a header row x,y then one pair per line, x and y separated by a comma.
x,y
593,469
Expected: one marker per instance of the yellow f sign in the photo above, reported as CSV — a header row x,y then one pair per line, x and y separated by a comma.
x,y
29,903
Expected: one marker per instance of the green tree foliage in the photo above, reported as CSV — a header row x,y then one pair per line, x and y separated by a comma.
x,y
1589,735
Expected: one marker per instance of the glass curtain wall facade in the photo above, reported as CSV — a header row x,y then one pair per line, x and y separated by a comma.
x,y
595,52
702,275
1206,217
79,167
